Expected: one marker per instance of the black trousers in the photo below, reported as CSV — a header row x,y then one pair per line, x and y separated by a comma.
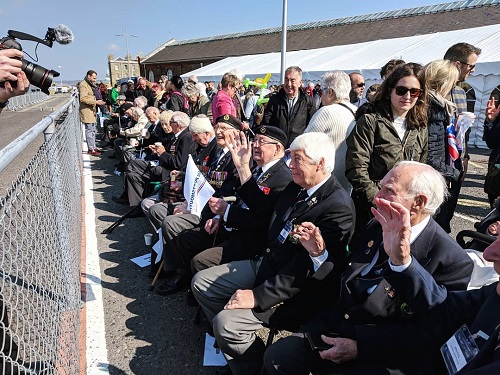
x,y
138,174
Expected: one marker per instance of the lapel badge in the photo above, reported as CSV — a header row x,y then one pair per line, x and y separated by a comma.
x,y
311,202
391,293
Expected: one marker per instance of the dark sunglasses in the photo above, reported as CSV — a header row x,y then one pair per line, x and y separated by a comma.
x,y
402,90
469,66
362,84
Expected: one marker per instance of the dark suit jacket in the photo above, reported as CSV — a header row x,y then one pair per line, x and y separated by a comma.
x,y
249,235
441,313
286,274
381,319
177,152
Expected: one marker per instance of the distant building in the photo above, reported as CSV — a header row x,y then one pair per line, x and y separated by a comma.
x,y
120,68
179,57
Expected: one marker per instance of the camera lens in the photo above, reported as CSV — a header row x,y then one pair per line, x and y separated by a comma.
x,y
38,75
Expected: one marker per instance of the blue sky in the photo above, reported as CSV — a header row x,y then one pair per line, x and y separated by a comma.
x,y
95,23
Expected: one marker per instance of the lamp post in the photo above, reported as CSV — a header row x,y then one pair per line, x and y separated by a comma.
x,y
283,40
60,71
126,35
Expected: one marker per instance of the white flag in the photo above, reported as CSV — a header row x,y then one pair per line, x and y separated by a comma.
x,y
197,190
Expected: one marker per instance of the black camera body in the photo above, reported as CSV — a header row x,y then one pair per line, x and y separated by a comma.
x,y
36,74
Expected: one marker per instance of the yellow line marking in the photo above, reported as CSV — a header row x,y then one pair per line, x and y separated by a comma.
x,y
476,165
473,203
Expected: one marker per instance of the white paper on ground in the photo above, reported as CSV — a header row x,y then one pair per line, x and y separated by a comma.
x,y
212,357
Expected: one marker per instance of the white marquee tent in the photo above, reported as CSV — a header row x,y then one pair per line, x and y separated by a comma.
x,y
368,57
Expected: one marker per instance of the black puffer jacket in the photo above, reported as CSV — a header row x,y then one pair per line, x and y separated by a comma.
x,y
437,155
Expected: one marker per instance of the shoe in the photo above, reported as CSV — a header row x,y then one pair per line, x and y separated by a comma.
x,y
121,199
172,285
190,300
94,152
137,213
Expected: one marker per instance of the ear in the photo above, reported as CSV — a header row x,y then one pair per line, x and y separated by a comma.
x,y
321,165
420,202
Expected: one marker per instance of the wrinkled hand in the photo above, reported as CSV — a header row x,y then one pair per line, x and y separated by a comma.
x,y
310,237
217,205
491,110
10,64
241,299
8,91
240,148
157,149
395,221
212,225
342,350
181,209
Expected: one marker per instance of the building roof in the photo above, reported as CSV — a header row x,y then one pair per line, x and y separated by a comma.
x,y
340,31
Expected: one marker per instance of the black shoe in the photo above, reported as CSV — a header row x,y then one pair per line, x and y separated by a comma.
x,y
172,285
190,300
224,370
120,199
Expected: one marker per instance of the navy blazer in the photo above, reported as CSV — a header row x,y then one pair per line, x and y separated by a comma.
x,y
286,276
176,155
441,313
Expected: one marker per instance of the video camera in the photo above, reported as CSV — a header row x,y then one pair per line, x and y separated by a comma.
x,y
36,74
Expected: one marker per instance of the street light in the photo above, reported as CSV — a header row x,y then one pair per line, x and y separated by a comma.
x,y
126,35
60,71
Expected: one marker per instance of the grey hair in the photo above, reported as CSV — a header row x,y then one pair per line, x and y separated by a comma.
x,y
189,89
339,82
296,69
202,89
238,73
137,112
316,146
140,101
428,182
181,118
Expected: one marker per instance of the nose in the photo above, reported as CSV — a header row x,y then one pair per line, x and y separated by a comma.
x,y
492,252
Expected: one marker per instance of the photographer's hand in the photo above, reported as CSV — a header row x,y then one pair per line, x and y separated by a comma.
x,y
10,64
7,91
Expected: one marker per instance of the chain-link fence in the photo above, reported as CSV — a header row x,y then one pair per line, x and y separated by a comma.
x,y
40,236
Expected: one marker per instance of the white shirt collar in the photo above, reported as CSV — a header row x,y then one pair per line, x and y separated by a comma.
x,y
265,167
418,228
312,190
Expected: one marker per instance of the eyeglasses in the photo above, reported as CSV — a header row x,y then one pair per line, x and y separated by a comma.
x,y
402,90
222,128
469,66
362,84
260,142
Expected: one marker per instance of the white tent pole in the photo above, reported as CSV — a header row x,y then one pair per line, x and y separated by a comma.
x,y
283,41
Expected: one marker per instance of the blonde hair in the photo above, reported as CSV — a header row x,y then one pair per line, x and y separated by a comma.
x,y
441,76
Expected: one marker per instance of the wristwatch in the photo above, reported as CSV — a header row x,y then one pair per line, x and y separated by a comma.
x,y
4,104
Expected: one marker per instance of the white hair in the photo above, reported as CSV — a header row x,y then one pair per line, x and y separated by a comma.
x,y
428,182
202,89
238,73
140,101
316,146
181,118
339,82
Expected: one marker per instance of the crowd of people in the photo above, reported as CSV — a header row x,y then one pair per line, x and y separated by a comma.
x,y
330,216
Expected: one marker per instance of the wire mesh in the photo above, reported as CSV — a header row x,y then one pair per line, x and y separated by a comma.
x,y
40,236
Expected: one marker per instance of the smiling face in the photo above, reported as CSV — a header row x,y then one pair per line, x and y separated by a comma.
x,y
264,149
401,104
222,131
304,172
293,81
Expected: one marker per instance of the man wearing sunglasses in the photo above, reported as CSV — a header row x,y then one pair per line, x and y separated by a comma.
x,y
464,56
357,89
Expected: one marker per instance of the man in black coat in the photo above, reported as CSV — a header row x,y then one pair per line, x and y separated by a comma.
x,y
311,222
247,234
172,156
291,108
441,313
370,307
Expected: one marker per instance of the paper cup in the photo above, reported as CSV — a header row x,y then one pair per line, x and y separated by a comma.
x,y
148,239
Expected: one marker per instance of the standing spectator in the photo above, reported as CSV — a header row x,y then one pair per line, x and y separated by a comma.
x,y
391,130
440,76
335,118
88,103
177,101
464,56
157,94
115,91
357,89
211,90
492,137
130,93
142,89
291,108
222,102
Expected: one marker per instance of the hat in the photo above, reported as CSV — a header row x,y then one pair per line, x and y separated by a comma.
x,y
200,125
272,132
130,81
121,97
126,106
230,120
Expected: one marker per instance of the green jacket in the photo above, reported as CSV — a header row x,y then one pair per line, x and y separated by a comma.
x,y
374,147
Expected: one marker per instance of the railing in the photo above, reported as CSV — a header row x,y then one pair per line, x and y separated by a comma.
x,y
26,100
40,236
